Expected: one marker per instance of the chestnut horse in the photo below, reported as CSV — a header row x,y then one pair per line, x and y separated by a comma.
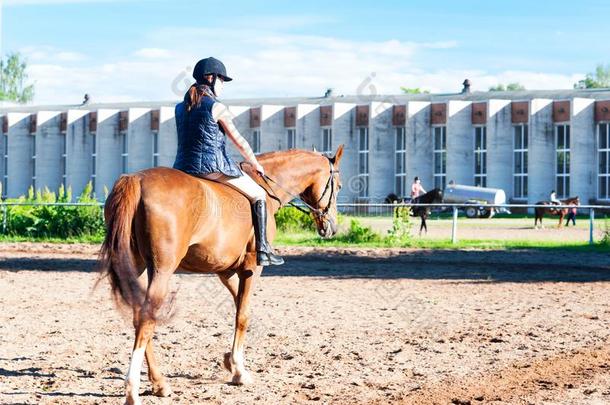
x,y
540,211
162,219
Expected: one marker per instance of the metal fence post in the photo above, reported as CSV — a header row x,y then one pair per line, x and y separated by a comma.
x,y
454,225
4,214
591,224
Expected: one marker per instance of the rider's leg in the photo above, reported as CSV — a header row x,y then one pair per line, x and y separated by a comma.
x,y
258,198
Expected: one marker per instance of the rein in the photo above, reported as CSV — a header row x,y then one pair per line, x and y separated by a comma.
x,y
316,211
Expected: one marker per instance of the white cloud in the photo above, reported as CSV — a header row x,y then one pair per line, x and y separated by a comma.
x,y
265,63
153,53
50,54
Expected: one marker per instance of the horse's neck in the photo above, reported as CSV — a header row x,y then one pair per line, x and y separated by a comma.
x,y
291,175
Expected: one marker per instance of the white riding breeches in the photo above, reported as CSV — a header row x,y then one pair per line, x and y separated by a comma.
x,y
244,184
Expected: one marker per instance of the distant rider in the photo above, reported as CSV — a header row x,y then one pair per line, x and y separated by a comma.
x,y
416,188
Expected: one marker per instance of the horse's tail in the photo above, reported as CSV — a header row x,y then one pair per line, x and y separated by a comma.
x,y
116,256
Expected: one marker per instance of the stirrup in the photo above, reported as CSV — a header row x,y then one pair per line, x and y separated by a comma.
x,y
268,258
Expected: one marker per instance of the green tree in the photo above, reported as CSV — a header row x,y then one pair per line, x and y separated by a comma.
x,y
509,87
415,90
13,78
597,80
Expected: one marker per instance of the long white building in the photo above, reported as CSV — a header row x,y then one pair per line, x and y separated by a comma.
x,y
527,143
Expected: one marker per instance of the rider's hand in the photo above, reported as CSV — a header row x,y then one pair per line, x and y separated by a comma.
x,y
259,168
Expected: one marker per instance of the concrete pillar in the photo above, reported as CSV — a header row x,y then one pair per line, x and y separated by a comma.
x,y
460,135
500,146
308,127
273,132
419,144
49,150
343,133
541,151
109,157
168,137
140,140
79,151
241,119
381,151
20,148
583,150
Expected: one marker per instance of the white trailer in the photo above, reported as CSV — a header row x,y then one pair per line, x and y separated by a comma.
x,y
483,196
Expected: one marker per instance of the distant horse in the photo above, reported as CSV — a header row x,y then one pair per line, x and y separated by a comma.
x,y
431,197
548,209
160,219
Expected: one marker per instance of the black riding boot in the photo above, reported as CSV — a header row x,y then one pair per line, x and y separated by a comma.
x,y
264,253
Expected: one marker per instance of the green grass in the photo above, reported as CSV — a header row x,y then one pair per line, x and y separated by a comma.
x,y
311,239
80,239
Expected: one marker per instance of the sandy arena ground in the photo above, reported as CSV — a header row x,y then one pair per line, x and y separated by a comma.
x,y
344,326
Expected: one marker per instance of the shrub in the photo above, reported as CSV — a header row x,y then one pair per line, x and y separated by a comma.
x,y
358,233
401,226
292,219
54,220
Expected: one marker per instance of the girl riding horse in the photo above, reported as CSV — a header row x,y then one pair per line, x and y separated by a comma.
x,y
202,122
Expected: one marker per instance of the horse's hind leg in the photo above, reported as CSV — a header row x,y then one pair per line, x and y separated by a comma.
x,y
158,286
242,319
231,281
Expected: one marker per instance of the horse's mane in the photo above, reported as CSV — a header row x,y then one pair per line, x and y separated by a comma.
x,y
284,154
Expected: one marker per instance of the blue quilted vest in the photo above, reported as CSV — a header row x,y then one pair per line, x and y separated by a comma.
x,y
201,143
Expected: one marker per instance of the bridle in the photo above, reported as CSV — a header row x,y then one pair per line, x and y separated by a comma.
x,y
317,212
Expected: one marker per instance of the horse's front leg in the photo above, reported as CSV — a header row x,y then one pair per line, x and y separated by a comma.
x,y
242,319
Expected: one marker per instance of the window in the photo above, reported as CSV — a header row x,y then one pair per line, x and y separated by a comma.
x,y
480,156
400,162
155,149
327,140
256,141
562,145
5,164
124,151
363,161
440,156
93,160
520,146
603,157
291,138
63,161
33,161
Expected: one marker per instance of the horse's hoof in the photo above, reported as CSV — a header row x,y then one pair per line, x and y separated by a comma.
x,y
242,379
227,362
162,390
133,401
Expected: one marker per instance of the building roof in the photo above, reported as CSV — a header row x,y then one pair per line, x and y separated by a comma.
x,y
567,94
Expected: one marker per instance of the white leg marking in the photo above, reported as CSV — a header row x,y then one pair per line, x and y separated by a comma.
x,y
133,375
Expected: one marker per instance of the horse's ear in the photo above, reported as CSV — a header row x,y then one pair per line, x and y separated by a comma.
x,y
337,158
313,147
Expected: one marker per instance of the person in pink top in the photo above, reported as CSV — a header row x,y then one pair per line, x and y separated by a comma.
x,y
416,188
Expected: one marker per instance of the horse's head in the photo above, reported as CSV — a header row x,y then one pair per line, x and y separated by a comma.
x,y
322,194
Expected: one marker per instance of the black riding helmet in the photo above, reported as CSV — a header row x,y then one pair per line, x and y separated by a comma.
x,y
210,66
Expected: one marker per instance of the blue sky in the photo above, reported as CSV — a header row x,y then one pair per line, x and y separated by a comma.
x,y
144,50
